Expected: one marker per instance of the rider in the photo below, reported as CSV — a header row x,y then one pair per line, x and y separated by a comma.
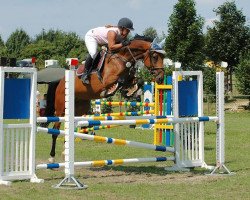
x,y
113,36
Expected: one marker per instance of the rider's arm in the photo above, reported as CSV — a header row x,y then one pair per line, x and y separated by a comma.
x,y
111,41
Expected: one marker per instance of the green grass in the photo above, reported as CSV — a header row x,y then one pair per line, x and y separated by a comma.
x,y
144,181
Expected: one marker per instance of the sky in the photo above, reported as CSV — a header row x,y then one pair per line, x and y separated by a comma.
x,y
81,15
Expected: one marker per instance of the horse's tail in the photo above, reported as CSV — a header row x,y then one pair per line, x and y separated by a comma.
x,y
50,108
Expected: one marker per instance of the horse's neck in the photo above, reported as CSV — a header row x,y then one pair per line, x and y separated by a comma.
x,y
137,48
140,44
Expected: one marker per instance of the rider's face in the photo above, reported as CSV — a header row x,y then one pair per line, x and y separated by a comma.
x,y
124,32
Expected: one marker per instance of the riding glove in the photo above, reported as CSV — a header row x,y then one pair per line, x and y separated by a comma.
x,y
125,42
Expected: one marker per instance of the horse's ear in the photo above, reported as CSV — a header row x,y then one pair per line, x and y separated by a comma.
x,y
154,44
157,47
154,41
161,44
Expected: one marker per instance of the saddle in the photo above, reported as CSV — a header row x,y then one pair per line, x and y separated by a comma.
x,y
97,65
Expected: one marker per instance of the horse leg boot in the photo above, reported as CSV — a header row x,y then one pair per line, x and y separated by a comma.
x,y
87,70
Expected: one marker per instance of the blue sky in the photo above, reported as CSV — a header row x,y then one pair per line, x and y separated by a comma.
x,y
81,15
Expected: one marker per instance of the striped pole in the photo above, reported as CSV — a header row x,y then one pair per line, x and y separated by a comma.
x,y
101,163
147,121
86,130
124,103
118,116
109,140
62,119
135,113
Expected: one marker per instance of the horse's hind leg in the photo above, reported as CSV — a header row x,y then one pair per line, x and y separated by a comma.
x,y
53,146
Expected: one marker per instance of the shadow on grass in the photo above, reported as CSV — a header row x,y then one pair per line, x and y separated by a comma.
x,y
136,169
210,133
111,171
150,170
209,148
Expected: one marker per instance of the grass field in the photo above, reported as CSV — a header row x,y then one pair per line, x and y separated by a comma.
x,y
144,181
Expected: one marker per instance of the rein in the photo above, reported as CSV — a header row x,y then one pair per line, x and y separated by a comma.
x,y
136,58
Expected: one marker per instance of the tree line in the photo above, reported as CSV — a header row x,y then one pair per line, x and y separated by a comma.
x,y
187,41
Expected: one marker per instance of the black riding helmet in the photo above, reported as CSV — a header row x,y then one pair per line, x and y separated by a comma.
x,y
126,23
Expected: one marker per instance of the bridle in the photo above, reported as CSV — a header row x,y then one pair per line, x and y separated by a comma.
x,y
152,69
130,63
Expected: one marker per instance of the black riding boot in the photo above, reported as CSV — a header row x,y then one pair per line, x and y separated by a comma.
x,y
88,66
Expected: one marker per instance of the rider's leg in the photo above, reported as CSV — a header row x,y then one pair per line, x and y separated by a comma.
x,y
91,45
87,69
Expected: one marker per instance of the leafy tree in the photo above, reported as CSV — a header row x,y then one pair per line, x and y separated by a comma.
x,y
17,41
49,36
150,32
185,40
242,73
209,81
1,42
68,44
3,50
42,50
145,74
228,37
78,51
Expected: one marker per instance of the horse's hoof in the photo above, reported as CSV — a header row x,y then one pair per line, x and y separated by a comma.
x,y
132,90
51,160
113,89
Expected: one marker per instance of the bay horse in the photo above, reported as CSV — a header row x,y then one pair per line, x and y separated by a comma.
x,y
116,65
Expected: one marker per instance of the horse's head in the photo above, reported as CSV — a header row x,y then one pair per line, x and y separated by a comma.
x,y
153,60
152,55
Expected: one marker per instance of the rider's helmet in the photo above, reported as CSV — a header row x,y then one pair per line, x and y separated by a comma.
x,y
126,23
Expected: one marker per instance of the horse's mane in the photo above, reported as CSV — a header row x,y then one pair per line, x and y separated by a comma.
x,y
137,42
143,37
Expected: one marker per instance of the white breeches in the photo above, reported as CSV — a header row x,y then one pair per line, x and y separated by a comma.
x,y
91,44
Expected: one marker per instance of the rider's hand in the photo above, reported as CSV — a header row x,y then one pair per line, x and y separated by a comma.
x,y
125,42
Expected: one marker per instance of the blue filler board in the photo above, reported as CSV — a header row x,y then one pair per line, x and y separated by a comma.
x,y
188,98
17,98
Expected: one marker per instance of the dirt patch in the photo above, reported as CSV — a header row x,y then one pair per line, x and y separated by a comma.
x,y
237,105
101,176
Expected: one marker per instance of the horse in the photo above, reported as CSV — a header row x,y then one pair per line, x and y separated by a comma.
x,y
116,65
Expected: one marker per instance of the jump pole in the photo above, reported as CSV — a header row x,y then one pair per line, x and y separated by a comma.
x,y
101,163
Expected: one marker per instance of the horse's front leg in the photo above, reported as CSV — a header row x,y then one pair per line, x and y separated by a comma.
x,y
110,85
53,146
